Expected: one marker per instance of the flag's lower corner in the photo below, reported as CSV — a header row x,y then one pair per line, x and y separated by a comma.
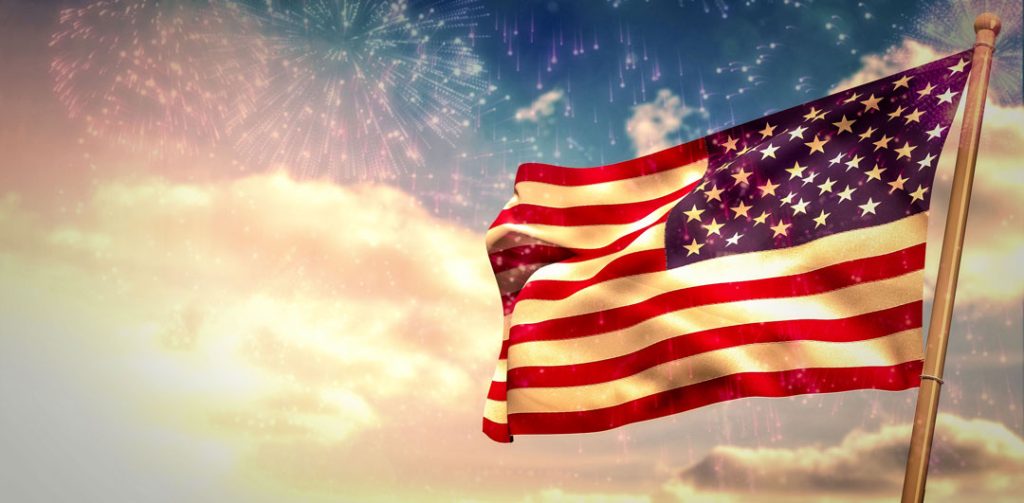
x,y
499,432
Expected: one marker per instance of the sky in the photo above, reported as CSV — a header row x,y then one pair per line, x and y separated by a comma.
x,y
242,257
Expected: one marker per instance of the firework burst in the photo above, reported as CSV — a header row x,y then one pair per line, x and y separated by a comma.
x,y
949,27
157,76
360,89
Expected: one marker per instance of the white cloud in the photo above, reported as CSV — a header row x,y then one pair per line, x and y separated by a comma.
x,y
991,272
280,315
653,124
908,54
976,460
560,496
542,107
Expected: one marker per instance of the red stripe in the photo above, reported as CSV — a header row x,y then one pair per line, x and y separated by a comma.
x,y
821,280
497,391
600,214
582,254
856,328
510,258
731,387
627,265
667,159
497,431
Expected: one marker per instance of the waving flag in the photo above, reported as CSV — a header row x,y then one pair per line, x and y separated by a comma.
x,y
780,257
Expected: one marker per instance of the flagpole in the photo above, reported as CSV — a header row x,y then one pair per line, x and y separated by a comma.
x,y
986,29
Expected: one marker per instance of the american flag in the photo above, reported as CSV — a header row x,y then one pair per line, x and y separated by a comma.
x,y
780,257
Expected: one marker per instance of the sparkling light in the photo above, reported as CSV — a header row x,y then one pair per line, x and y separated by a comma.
x,y
157,76
360,89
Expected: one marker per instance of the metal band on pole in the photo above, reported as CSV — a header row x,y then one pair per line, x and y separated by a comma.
x,y
986,28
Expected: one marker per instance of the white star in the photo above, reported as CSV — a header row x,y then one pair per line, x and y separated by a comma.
x,y
741,209
918,194
693,248
714,227
734,240
693,214
769,151
868,207
797,133
714,194
780,229
835,159
959,67
926,162
820,219
926,91
854,162
741,176
935,133
947,97
904,82
826,187
846,194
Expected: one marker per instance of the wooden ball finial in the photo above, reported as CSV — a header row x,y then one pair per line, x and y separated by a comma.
x,y
987,21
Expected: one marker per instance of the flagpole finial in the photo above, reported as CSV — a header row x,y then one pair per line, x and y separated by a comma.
x,y
987,21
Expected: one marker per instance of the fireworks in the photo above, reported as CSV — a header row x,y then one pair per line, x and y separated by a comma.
x,y
949,27
359,89
156,76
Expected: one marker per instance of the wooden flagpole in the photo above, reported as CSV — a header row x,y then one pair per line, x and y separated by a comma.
x,y
986,28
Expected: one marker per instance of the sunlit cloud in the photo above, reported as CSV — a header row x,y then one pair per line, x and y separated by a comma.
x,y
541,108
656,125
265,311
908,54
974,459
561,496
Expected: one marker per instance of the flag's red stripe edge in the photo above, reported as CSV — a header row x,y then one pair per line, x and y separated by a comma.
x,y
825,279
497,391
667,159
598,214
731,387
581,254
497,431
641,262
511,258
856,328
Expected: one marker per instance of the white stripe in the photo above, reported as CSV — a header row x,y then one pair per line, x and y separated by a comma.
x,y
624,291
579,236
894,349
500,371
629,190
836,304
496,411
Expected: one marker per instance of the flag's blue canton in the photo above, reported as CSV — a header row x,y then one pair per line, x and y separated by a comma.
x,y
856,159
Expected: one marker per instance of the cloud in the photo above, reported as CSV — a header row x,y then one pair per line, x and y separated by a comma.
x,y
277,315
561,496
542,107
990,274
908,54
973,458
653,124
